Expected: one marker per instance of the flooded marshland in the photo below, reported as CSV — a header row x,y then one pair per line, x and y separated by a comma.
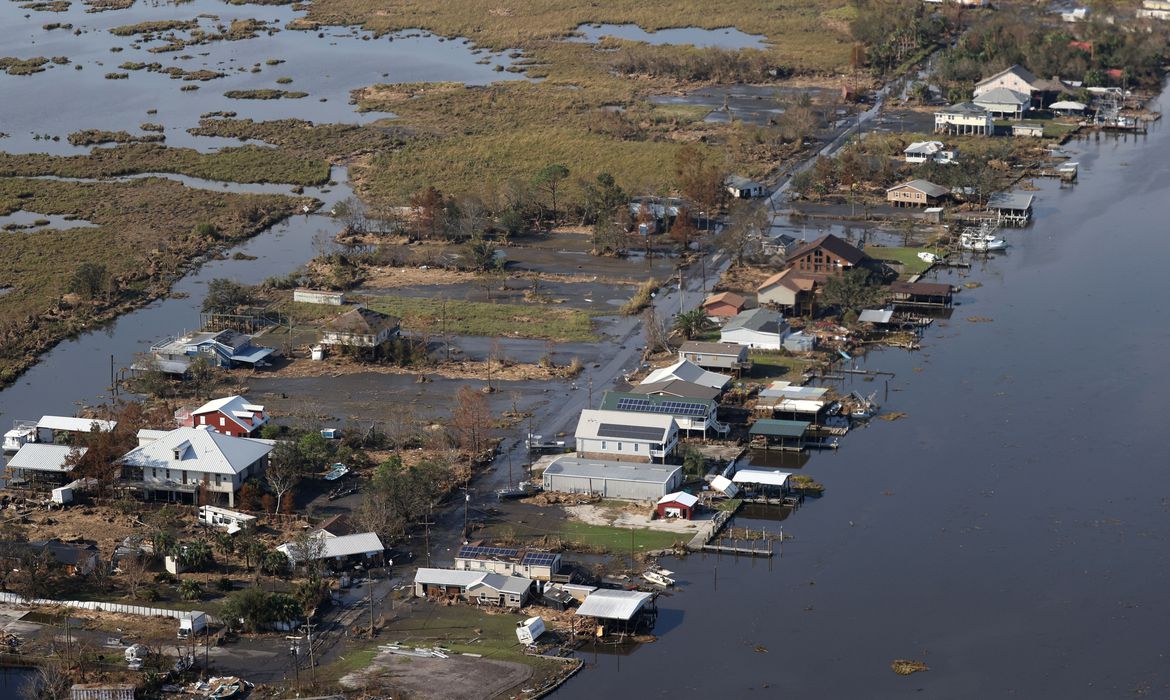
x,y
1011,531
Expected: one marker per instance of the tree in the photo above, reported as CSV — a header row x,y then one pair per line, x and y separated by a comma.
x,y
286,467
481,254
190,589
851,290
684,230
742,238
275,563
254,609
657,337
195,555
89,280
225,544
429,214
314,449
601,196
352,214
691,323
471,419
100,459
225,296
307,549
700,181
549,179
693,462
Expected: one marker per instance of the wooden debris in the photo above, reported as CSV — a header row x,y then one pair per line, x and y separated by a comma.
x,y
904,667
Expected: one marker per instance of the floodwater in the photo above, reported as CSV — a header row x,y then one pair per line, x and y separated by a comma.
x,y
752,104
31,221
63,99
724,38
1011,531
78,369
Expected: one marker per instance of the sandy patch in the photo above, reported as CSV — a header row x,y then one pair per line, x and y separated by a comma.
x,y
454,678
337,367
631,517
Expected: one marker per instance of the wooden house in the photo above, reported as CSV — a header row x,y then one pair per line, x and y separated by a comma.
x,y
916,193
827,255
361,327
789,291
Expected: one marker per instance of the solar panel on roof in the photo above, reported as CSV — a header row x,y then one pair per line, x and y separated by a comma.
x,y
631,432
674,408
539,558
471,552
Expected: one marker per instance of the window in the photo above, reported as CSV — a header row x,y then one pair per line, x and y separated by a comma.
x,y
619,447
168,475
635,447
603,444
217,479
222,421
202,420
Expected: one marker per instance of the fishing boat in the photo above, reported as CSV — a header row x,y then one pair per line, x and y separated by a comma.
x,y
982,239
659,576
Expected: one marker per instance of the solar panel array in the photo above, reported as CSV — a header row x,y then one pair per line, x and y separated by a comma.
x,y
469,552
631,432
671,408
539,559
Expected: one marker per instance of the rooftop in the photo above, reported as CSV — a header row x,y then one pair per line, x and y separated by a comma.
x,y
791,279
362,321
638,427
794,391
516,585
880,316
678,387
925,186
969,109
713,348
725,298
1010,200
680,497
1002,95
763,477
42,457
245,414
614,471
653,403
689,372
448,577
759,319
1019,71
834,245
332,547
613,605
199,449
74,425
926,289
771,427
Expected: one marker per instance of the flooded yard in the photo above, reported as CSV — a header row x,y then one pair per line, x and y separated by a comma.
x,y
725,38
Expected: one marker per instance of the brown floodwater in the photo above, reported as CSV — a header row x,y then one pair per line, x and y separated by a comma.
x,y
1011,532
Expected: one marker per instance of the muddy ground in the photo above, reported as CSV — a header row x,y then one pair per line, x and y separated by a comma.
x,y
455,678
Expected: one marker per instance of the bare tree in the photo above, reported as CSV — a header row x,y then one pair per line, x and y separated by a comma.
x,y
133,571
51,682
657,333
284,471
471,419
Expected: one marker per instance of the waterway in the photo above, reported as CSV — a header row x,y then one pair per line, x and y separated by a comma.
x,y
1011,531
726,38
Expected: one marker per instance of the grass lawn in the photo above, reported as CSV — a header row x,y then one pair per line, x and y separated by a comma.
x,y
769,366
908,257
620,539
487,319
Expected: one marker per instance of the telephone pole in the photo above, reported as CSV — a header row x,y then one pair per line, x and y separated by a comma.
x,y
312,659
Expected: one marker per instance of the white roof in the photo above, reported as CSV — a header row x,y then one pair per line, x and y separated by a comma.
x,y
764,477
613,605
794,391
724,485
74,425
687,371
344,546
641,472
876,316
680,497
925,147
1068,104
200,449
1002,96
42,457
237,407
591,422
448,577
146,435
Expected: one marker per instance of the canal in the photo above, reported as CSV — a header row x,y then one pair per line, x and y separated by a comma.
x,y
1011,530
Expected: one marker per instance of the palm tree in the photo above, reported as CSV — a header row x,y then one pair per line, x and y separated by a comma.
x,y
691,323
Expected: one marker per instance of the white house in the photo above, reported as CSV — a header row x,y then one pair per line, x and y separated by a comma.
x,y
756,328
1017,79
622,436
687,371
361,327
186,459
933,151
963,118
361,547
743,188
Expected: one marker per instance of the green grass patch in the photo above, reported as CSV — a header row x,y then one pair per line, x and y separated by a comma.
x,y
487,319
619,539
771,365
906,257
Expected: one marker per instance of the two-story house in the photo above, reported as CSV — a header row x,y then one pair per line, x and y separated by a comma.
x,y
626,437
183,460
964,118
230,415
360,328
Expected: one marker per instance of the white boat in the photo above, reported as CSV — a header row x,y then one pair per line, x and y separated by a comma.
x,y
659,576
981,242
927,256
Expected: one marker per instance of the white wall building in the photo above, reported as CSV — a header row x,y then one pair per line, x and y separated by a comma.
x,y
186,459
622,436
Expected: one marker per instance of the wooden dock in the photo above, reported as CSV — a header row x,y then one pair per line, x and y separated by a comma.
x,y
738,551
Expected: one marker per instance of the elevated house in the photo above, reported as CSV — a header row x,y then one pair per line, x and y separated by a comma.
x,y
789,291
1016,78
691,415
626,436
687,371
917,193
790,401
929,152
829,255
724,305
529,563
609,479
176,465
225,349
721,357
230,415
360,328
1004,103
743,188
964,119
756,328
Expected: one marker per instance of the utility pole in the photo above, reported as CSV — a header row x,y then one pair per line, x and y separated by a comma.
x,y
427,533
312,659
590,380
370,585
466,502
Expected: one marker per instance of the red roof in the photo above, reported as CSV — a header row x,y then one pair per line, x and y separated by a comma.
x,y
725,298
1082,45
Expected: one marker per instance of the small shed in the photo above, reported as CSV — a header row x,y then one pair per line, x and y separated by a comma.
x,y
679,504
878,317
724,486
921,294
743,188
724,305
319,296
799,342
1028,130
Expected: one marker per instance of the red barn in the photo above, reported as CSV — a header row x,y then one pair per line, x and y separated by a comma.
x,y
231,415
679,504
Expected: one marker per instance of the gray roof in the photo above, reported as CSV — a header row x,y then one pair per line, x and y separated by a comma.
x,y
742,183
680,388
925,186
448,577
1002,96
613,471
200,449
876,316
688,372
362,321
638,427
42,457
74,425
758,319
968,108
1010,200
1019,71
517,585
613,605
713,348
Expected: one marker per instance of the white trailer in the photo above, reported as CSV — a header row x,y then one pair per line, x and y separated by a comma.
x,y
192,623
529,630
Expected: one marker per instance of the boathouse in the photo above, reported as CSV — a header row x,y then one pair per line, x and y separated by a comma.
x,y
789,401
619,612
45,464
762,481
1011,208
770,433
924,294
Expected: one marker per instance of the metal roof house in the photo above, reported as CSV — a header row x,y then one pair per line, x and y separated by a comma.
x,y
360,328
679,388
964,118
1016,78
231,415
788,290
188,458
363,547
533,564
828,255
626,436
729,357
623,480
692,415
473,586
1004,102
933,151
756,328
688,372
50,428
762,478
